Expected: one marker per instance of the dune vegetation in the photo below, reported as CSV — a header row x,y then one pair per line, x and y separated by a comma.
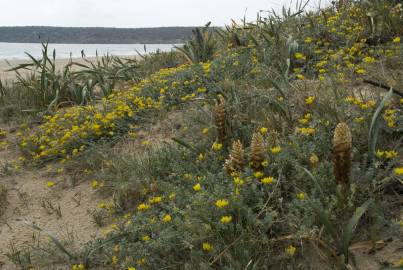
x,y
274,144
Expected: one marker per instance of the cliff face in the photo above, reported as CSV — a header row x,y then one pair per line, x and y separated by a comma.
x,y
91,35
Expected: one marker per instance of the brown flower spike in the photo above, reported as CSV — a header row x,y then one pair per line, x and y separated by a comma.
x,y
219,117
236,160
257,151
342,144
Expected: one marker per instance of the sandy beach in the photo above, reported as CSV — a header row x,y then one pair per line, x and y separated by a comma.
x,y
7,76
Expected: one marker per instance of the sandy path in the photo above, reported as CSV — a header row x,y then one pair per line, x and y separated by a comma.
x,y
27,191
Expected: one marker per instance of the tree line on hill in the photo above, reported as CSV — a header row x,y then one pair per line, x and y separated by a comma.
x,y
94,35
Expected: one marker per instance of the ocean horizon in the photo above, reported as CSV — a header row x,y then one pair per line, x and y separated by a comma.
x,y
17,51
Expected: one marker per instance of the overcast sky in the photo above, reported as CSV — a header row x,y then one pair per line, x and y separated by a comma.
x,y
132,13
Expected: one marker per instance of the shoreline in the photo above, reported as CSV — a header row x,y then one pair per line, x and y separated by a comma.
x,y
8,76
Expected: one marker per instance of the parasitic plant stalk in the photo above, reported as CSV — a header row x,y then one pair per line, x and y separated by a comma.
x,y
342,144
236,160
219,117
257,151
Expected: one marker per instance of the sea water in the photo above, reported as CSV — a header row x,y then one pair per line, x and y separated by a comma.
x,y
17,51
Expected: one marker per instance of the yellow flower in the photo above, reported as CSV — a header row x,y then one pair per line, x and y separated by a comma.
x,y
146,142
226,219
399,263
216,146
306,131
114,259
359,119
300,56
263,130
221,203
265,163
96,127
401,223
197,187
207,247
200,157
50,184
308,40
132,134
360,71
146,238
369,60
396,40
398,171
238,181
131,268
390,154
391,124
155,199
94,184
350,99
309,100
75,152
300,77
290,250
303,121
258,174
275,150
143,207
201,89
78,266
301,196
380,153
205,130
267,180
141,261
167,218
102,205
